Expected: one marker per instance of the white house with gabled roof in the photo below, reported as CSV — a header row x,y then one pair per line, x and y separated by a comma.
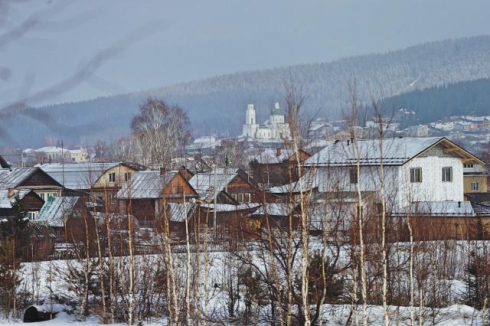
x,y
410,170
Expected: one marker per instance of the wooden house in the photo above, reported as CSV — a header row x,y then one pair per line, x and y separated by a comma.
x,y
277,167
232,223
69,218
227,185
100,181
77,178
30,178
41,237
41,242
273,216
146,194
30,202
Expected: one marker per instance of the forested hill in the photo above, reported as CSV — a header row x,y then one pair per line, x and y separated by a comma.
x,y
465,98
219,103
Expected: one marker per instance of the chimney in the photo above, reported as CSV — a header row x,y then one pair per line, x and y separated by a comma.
x,y
278,151
348,142
163,171
459,204
10,192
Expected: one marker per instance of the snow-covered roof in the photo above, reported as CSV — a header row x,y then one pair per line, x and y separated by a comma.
x,y
76,175
55,209
209,185
7,201
310,180
179,212
11,178
481,209
229,207
51,149
439,208
145,184
270,156
78,151
274,209
389,151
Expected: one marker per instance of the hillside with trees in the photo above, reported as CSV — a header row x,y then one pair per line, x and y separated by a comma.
x,y
218,104
465,98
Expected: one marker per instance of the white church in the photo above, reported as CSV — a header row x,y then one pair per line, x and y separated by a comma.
x,y
275,129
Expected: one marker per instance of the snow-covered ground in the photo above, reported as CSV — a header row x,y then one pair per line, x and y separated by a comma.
x,y
40,277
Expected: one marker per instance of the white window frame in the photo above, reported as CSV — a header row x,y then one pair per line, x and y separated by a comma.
x,y
32,215
475,186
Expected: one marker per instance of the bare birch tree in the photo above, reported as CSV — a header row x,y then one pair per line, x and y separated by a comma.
x,y
161,129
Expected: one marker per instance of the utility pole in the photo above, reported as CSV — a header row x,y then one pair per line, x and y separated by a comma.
x,y
62,167
215,202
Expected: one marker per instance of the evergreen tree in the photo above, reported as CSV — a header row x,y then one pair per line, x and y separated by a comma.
x,y
13,239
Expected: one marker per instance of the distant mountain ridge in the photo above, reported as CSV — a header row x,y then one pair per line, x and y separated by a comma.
x,y
218,104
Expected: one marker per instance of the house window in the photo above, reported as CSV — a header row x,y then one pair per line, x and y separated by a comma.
x,y
353,177
447,174
467,165
32,215
475,186
416,175
248,198
127,176
112,177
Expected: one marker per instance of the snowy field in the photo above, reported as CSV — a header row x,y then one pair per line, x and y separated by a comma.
x,y
213,297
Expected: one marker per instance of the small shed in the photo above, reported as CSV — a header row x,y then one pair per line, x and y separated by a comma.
x,y
34,314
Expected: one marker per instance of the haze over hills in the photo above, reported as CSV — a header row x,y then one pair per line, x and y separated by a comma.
x,y
218,104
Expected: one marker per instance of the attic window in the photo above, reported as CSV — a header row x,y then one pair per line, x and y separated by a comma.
x,y
112,177
467,165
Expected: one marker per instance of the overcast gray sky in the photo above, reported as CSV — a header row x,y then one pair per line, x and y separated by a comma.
x,y
167,42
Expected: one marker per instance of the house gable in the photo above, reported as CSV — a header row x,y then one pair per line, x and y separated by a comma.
x,y
32,202
177,187
39,179
446,148
28,199
115,176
